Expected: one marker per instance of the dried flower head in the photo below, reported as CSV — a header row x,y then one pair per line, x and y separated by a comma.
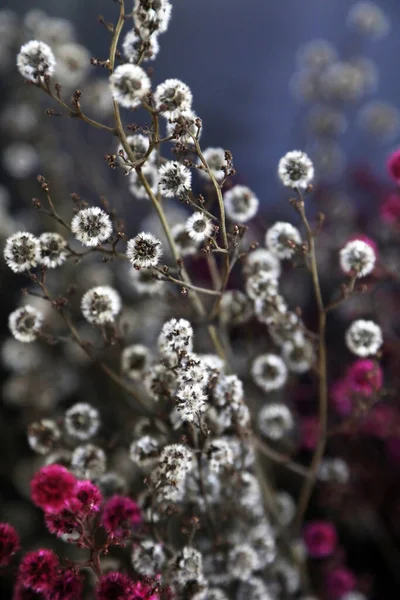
x,y
91,226
275,421
152,17
269,372
22,251
175,461
129,84
176,336
144,251
35,60
241,204
364,338
53,250
43,435
134,47
144,452
282,239
262,260
174,179
369,19
82,421
191,402
25,323
185,244
101,305
135,360
136,187
199,227
216,161
172,97
88,461
148,557
358,258
296,169
144,282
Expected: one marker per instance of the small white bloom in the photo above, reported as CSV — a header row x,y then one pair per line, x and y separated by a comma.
x,y
334,470
91,226
137,188
316,55
22,251
135,360
35,60
176,460
368,18
133,47
144,283
235,308
43,435
172,97
242,561
191,402
357,257
282,239
241,204
262,260
269,372
185,244
275,421
101,305
53,252
20,159
296,169
199,227
184,127
192,370
144,451
82,421
144,251
73,64
24,323
139,145
88,462
270,309
261,285
174,179
152,17
299,357
286,508
176,336
219,454
148,558
215,158
129,85
364,338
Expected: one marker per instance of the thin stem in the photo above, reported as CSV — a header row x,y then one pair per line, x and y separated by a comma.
x,y
279,458
190,286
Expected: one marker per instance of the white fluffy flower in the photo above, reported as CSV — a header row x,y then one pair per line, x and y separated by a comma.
x,y
369,19
144,451
24,323
152,17
357,257
176,460
269,309
42,435
144,283
82,421
235,308
241,204
22,251
20,159
364,338
282,239
275,421
129,84
219,454
139,145
91,226
185,244
35,59
88,462
296,169
133,47
261,285
242,561
137,188
199,227
215,158
135,360
184,127
262,260
172,97
269,372
176,336
174,179
148,558
101,305
299,357
73,64
191,402
144,251
53,250
334,470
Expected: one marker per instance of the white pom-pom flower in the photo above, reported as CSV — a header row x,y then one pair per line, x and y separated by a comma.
x,y
262,260
133,47
137,188
364,338
24,323
296,169
82,421
358,258
53,250
22,251
91,226
129,84
241,204
191,402
216,161
282,240
269,372
176,336
135,360
199,227
144,250
174,179
172,97
101,305
36,59
275,421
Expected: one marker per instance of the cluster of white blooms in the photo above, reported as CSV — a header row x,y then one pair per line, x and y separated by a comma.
x,y
129,85
36,60
82,421
144,251
133,47
357,257
151,17
176,336
100,305
91,226
185,127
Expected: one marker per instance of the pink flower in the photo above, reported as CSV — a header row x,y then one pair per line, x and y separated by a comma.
x,y
88,496
23,593
393,165
62,523
364,377
339,582
340,395
52,487
309,432
9,543
69,586
120,513
38,570
143,591
320,538
390,209
114,586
